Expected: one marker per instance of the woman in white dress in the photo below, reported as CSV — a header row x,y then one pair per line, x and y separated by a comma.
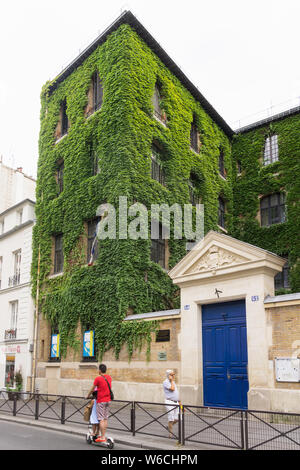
x,y
93,418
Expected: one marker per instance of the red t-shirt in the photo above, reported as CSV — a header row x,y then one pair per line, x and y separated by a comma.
x,y
103,393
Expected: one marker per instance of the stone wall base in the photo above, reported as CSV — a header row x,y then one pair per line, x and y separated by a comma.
x,y
271,399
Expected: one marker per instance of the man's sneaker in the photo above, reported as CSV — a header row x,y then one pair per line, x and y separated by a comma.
x,y
100,439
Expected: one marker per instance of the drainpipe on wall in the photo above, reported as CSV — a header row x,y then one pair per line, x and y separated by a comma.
x,y
34,361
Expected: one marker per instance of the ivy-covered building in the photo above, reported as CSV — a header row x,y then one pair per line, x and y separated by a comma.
x,y
123,120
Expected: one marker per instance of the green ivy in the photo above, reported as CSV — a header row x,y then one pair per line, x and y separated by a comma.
x,y
123,130
257,179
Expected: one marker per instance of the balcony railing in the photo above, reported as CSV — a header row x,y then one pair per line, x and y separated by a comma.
x,y
14,280
10,334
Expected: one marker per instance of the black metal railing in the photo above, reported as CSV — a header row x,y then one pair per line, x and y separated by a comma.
x,y
222,427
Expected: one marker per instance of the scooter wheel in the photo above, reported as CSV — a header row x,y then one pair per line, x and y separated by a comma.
x,y
110,444
88,439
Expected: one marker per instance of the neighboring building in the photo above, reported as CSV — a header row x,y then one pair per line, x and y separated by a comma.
x,y
266,162
16,303
123,120
15,186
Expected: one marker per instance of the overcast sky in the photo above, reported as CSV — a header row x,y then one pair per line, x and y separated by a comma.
x,y
242,55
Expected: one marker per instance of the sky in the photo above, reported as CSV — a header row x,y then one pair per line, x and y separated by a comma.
x,y
242,55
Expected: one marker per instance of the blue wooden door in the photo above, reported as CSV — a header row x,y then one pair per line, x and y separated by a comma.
x,y
225,359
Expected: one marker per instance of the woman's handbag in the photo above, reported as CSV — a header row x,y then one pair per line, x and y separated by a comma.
x,y
110,390
88,411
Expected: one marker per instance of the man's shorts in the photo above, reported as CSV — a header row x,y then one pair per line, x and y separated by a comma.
x,y
173,410
102,410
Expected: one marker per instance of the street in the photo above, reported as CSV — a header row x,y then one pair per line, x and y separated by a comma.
x,y
16,436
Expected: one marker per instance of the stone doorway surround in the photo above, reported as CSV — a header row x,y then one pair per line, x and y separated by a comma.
x,y
222,269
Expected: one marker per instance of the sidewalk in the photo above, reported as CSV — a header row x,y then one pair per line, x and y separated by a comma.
x,y
141,442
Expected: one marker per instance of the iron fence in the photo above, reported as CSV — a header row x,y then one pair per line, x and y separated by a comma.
x,y
223,427
272,431
220,426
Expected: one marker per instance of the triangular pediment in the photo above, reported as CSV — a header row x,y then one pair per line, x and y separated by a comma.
x,y
214,258
218,254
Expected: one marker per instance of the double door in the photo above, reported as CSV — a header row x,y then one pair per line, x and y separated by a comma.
x,y
225,359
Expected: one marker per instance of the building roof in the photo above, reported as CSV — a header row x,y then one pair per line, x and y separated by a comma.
x,y
11,208
128,18
264,122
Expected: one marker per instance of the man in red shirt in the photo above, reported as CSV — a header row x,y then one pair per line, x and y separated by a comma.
x,y
103,399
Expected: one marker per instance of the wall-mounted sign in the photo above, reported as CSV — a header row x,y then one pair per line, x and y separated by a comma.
x,y
55,345
11,349
255,298
287,369
187,307
162,356
88,344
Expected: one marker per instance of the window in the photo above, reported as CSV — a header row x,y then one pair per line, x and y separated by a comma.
x,y
163,336
281,280
94,160
193,187
221,215
14,314
58,254
14,280
158,245
156,101
222,170
271,150
64,118
157,171
60,177
194,136
92,246
97,92
272,209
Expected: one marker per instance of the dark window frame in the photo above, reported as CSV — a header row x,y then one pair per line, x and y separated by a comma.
x,y
271,214
194,136
157,170
58,254
194,197
271,151
91,230
281,280
222,169
97,92
64,118
158,247
60,176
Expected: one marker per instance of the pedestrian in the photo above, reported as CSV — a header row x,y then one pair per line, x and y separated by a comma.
x,y
171,400
103,385
93,418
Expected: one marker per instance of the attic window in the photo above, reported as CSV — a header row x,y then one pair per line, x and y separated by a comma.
x,y
194,136
97,92
64,118
159,113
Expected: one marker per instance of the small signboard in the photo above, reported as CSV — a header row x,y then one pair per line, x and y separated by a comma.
x,y
255,298
162,356
287,369
55,345
88,343
187,307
